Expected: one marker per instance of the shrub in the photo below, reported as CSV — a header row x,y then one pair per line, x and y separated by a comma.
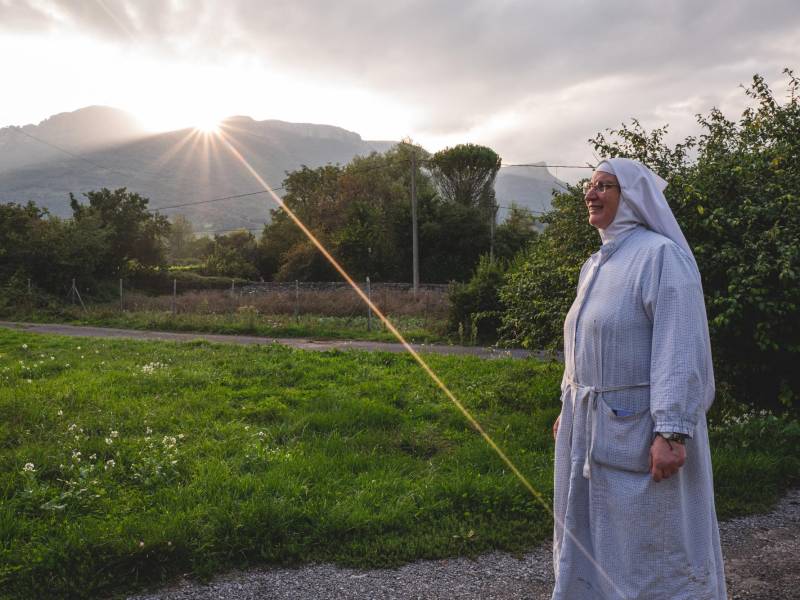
x,y
475,306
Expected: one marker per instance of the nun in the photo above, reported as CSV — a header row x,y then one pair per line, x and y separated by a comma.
x,y
634,497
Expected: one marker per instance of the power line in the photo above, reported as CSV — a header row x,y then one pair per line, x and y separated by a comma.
x,y
546,166
389,164
72,154
357,171
214,199
524,208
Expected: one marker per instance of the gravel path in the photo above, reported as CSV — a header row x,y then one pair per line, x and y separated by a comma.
x,y
762,552
761,563
300,343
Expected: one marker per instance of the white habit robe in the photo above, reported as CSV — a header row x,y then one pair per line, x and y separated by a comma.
x,y
636,361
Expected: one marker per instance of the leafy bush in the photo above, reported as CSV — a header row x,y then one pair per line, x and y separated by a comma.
x,y
734,193
475,306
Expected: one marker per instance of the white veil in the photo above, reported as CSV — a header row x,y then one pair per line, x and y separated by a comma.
x,y
643,192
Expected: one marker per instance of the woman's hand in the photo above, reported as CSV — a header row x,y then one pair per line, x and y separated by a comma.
x,y
666,458
555,426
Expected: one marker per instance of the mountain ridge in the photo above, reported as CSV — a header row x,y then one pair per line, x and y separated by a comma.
x,y
99,146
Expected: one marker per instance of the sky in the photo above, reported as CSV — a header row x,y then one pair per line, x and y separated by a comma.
x,y
534,80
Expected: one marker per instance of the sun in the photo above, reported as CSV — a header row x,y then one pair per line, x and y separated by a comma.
x,y
208,126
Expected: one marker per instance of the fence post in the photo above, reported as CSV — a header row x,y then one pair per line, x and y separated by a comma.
x,y
174,296
121,305
296,300
369,306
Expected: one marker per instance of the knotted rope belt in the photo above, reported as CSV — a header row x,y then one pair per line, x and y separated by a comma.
x,y
590,393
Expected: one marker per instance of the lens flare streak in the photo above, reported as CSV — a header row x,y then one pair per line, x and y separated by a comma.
x,y
424,365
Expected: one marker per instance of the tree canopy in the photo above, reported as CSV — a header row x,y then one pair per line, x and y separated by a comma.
x,y
734,191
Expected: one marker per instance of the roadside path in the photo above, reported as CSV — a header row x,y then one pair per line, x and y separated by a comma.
x,y
300,343
761,563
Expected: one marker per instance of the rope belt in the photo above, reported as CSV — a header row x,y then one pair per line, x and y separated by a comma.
x,y
590,394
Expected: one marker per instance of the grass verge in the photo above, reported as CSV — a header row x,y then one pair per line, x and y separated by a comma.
x,y
415,329
126,463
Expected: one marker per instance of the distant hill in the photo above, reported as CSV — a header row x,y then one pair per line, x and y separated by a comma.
x,y
99,146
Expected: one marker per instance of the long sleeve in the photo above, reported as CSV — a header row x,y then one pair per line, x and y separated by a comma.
x,y
679,367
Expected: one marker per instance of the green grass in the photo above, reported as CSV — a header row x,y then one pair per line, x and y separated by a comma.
x,y
415,329
281,457
231,456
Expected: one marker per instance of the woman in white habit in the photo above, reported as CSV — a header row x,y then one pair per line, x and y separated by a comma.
x,y
634,497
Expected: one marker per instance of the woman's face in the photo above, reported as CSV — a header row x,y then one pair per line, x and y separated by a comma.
x,y
603,206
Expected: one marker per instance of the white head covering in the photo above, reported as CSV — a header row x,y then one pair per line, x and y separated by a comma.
x,y
642,202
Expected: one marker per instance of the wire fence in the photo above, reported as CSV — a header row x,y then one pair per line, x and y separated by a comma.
x,y
297,298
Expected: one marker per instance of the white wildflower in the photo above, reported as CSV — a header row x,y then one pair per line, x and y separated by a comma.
x,y
24,346
93,457
114,433
29,468
110,464
72,427
109,441
60,413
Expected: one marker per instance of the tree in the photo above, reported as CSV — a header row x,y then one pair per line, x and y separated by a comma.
x,y
734,192
541,281
233,255
465,174
513,234
181,238
134,235
47,250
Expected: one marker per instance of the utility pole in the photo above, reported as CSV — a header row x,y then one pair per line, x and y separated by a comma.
x,y
414,236
492,224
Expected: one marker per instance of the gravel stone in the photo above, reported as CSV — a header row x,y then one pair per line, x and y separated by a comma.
x,y
761,563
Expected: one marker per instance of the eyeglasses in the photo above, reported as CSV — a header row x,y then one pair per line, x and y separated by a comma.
x,y
601,187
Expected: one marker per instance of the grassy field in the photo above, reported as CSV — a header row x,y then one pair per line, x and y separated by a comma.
x,y
126,463
321,314
415,329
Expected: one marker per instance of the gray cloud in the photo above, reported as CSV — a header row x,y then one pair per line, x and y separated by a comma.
x,y
463,61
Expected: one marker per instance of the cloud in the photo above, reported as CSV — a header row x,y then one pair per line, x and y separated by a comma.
x,y
562,68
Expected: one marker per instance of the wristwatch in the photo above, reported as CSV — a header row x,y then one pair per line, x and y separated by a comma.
x,y
673,436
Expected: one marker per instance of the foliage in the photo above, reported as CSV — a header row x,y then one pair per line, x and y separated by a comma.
x,y
542,279
734,193
131,232
181,241
475,306
233,255
158,459
47,250
465,174
515,233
